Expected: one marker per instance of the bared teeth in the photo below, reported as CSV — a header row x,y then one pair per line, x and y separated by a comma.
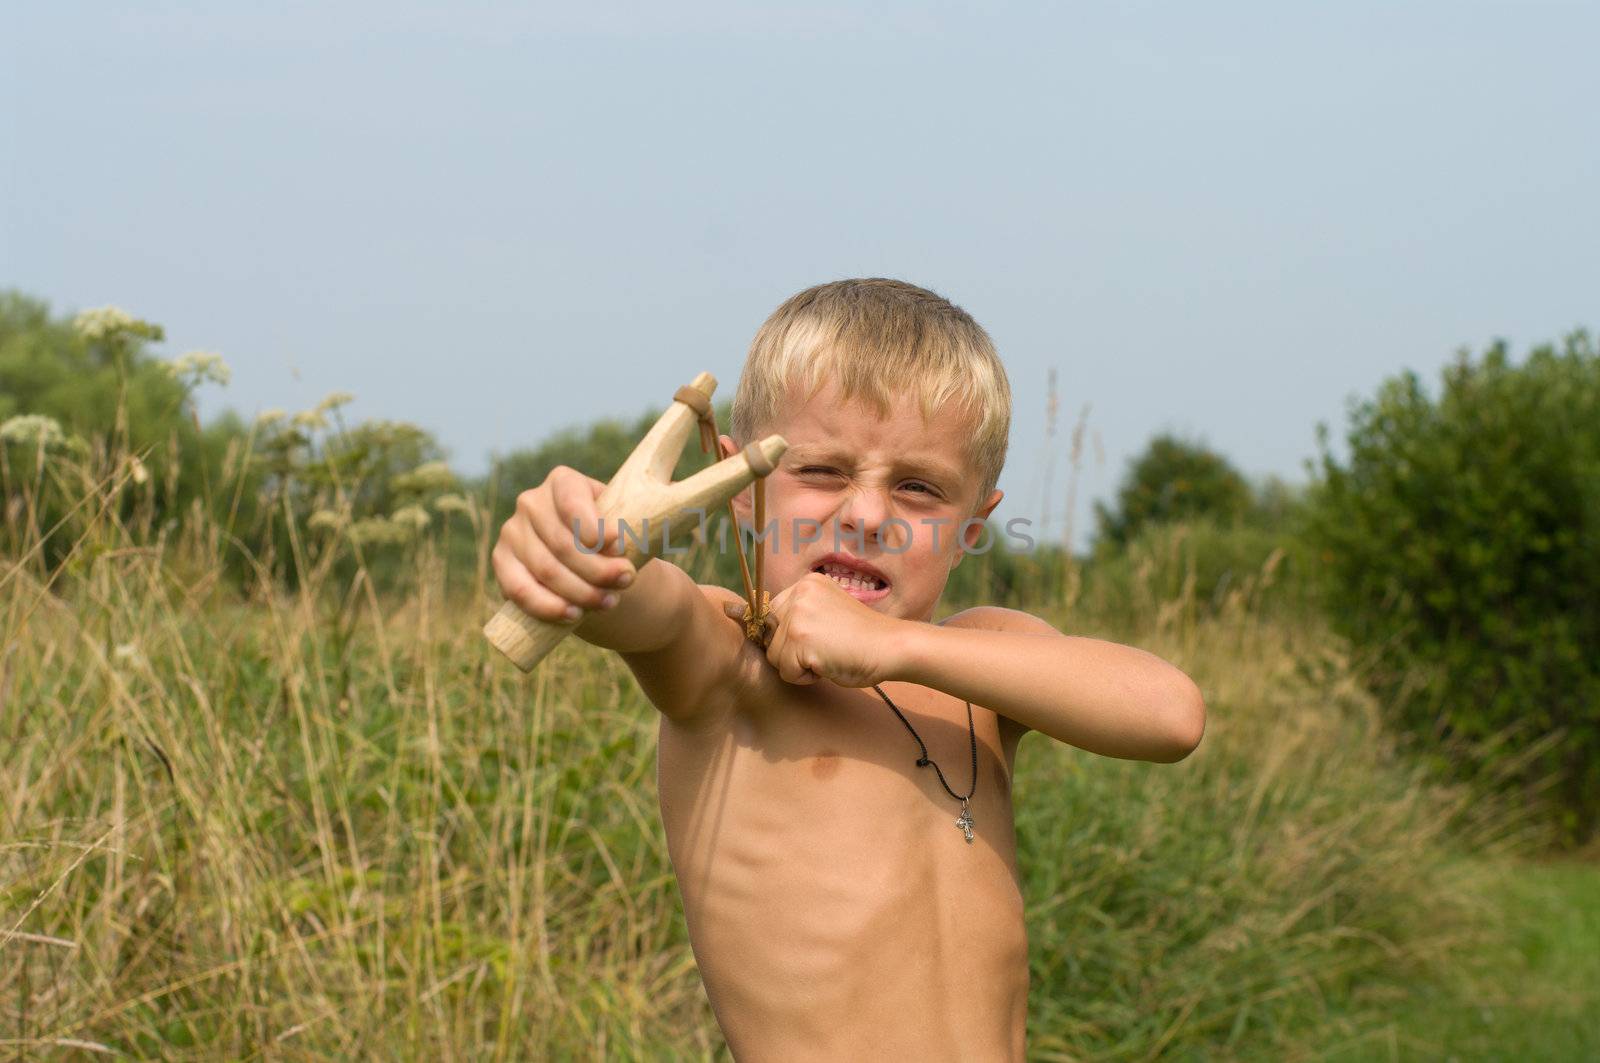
x,y
846,576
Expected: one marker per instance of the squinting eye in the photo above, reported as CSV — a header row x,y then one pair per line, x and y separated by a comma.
x,y
925,488
818,470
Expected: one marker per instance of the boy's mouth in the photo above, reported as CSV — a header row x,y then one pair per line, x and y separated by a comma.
x,y
861,580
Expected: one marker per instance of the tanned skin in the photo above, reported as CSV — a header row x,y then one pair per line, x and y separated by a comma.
x,y
834,908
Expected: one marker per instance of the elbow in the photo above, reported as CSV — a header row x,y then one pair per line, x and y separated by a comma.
x,y
1185,722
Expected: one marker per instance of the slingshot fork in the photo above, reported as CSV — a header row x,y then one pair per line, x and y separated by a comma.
x,y
643,495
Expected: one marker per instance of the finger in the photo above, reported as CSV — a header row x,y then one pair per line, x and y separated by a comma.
x,y
794,669
738,611
781,657
573,506
520,587
575,499
574,496
614,546
557,578
801,661
774,644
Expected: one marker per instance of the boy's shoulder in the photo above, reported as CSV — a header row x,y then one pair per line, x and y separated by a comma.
x,y
998,618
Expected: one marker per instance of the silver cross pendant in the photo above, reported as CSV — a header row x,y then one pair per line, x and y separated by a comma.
x,y
965,822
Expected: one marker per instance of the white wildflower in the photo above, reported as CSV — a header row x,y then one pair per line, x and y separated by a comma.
x,y
377,530
309,419
334,401
429,476
270,417
103,321
34,428
110,322
137,471
202,367
388,433
452,504
325,519
414,517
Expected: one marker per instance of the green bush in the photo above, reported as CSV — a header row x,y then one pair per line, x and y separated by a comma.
x,y
96,430
89,388
1462,537
1172,480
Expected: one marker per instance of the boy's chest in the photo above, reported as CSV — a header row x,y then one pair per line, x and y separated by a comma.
x,y
831,774
823,872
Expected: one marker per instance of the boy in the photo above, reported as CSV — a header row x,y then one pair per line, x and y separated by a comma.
x,y
834,911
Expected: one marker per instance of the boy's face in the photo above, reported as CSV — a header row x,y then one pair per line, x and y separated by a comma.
x,y
877,502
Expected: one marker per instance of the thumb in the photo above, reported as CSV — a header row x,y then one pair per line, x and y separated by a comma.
x,y
735,611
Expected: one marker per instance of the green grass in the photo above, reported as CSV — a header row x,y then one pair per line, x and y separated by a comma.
x,y
1535,994
332,823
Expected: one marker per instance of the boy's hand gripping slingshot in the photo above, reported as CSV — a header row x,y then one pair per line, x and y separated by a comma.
x,y
643,496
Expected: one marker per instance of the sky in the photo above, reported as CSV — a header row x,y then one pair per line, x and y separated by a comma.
x,y
1222,220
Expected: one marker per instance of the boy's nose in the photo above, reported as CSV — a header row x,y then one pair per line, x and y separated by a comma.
x,y
864,512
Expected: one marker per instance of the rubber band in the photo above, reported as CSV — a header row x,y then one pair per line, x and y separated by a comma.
x,y
695,399
757,603
758,461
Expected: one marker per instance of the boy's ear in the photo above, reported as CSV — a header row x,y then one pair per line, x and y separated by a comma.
x,y
743,502
975,532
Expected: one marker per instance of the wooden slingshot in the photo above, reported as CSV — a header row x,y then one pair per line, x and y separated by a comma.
x,y
643,497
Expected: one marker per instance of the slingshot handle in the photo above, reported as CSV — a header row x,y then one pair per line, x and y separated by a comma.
x,y
641,494
525,639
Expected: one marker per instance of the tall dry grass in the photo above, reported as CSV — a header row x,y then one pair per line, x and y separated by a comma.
x,y
329,822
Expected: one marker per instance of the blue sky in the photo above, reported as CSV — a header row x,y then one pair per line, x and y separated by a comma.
x,y
1218,219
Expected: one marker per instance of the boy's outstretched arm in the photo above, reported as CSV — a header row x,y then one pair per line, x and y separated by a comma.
x,y
1101,696
651,614
1110,699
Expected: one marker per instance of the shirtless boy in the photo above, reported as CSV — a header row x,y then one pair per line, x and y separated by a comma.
x,y
836,909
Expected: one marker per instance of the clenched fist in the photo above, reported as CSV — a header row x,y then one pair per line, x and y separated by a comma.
x,y
818,631
537,559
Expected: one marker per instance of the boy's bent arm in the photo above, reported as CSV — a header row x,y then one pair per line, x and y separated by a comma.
x,y
1110,699
677,642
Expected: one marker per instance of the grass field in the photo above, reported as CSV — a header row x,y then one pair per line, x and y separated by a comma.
x,y
1533,994
329,822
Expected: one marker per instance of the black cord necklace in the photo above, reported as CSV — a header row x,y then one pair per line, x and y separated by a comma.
x,y
965,822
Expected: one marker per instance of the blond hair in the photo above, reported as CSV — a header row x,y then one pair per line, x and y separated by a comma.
x,y
879,338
